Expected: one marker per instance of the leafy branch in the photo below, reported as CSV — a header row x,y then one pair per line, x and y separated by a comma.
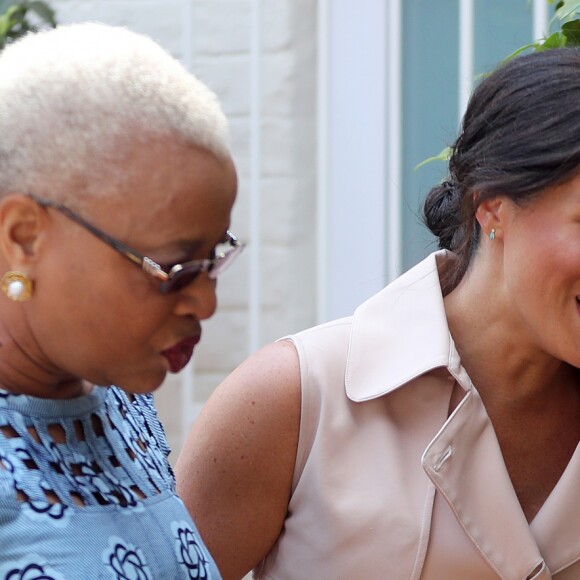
x,y
18,18
567,15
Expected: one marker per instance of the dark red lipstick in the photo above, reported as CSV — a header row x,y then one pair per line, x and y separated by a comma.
x,y
180,354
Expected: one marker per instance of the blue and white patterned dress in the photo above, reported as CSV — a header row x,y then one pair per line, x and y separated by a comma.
x,y
86,492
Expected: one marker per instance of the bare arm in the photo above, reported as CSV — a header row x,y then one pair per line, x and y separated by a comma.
x,y
235,470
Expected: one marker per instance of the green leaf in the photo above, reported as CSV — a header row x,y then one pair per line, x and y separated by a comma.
x,y
571,31
521,49
15,18
567,9
4,25
44,11
16,15
556,40
444,155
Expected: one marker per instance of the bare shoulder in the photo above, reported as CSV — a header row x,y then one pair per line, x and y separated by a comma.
x,y
235,470
261,392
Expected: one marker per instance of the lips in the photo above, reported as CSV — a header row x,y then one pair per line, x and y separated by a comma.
x,y
180,354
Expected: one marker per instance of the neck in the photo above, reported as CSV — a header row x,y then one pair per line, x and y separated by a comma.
x,y
25,370
25,367
504,362
68,389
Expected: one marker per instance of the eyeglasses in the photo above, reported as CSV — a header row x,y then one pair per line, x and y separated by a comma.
x,y
178,276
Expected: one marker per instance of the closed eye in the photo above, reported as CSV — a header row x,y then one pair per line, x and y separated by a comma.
x,y
217,249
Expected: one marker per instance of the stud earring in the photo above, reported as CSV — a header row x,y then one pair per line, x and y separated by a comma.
x,y
17,286
492,234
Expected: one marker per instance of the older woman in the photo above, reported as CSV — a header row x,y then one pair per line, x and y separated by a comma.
x,y
435,433
116,188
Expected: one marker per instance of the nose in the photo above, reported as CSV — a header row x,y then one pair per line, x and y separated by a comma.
x,y
198,298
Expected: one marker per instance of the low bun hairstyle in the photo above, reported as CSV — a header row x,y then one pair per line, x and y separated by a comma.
x,y
520,134
442,213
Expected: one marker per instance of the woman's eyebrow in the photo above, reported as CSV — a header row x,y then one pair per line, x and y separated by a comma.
x,y
189,247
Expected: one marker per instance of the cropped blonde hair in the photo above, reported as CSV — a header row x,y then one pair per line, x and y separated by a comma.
x,y
70,96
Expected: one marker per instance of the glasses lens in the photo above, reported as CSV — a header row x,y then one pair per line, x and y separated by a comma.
x,y
224,259
181,279
183,275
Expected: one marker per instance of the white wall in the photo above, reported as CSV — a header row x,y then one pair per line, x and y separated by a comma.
x,y
271,291
354,138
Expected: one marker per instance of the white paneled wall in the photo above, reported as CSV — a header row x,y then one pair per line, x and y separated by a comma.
x,y
259,56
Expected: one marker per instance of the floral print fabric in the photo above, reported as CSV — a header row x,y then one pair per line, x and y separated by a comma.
x,y
86,491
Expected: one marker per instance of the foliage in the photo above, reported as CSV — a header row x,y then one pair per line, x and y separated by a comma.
x,y
18,18
567,18
567,15
443,155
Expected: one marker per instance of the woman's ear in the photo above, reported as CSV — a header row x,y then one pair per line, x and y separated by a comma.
x,y
22,223
489,214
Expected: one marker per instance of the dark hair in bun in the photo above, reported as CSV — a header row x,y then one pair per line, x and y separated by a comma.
x,y
520,134
442,214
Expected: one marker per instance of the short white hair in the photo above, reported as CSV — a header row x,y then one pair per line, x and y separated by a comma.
x,y
69,97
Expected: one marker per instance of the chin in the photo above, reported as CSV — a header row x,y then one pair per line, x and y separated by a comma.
x,y
142,387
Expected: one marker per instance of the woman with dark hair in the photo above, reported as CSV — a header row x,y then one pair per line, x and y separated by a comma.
x,y
434,434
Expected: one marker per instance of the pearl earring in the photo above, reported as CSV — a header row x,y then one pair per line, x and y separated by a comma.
x,y
17,286
492,234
